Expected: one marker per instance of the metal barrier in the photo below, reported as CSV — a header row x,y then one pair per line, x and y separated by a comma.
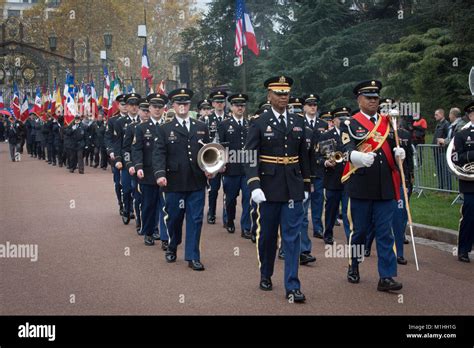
x,y
431,171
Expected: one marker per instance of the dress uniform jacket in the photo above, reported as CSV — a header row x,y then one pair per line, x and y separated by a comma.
x,y
127,145
332,175
142,150
120,129
464,147
175,156
213,124
110,136
98,134
40,136
319,127
374,182
280,182
233,137
408,165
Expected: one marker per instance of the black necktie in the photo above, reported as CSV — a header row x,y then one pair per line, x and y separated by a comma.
x,y
219,119
282,120
373,119
240,123
184,125
312,124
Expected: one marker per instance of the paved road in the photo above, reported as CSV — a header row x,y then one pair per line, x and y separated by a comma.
x,y
82,253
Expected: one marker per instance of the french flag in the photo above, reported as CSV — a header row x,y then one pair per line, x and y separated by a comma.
x,y
24,112
145,65
38,107
15,102
70,104
94,106
105,94
244,33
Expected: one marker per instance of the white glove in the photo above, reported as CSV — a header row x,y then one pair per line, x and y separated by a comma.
x,y
258,196
399,152
361,159
306,196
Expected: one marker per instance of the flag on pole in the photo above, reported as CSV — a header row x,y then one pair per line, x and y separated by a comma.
x,y
146,65
244,33
94,104
2,103
38,107
70,105
24,112
56,103
105,93
15,102
161,87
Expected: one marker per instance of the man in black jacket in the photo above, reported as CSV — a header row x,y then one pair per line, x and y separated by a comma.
x,y
176,170
14,139
98,134
77,132
463,154
439,136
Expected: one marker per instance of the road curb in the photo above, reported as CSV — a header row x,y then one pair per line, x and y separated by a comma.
x,y
438,234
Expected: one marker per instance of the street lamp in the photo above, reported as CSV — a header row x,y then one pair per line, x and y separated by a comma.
x,y
53,41
108,40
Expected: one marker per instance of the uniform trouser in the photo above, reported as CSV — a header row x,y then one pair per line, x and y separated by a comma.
x,y
214,187
50,150
317,202
39,149
332,200
117,184
137,200
400,219
466,227
100,156
149,206
289,217
304,238
378,214
29,146
191,204
77,159
232,186
160,226
22,144
253,218
14,150
33,146
127,190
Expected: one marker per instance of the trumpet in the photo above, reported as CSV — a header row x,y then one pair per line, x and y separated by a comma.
x,y
335,156
211,157
327,149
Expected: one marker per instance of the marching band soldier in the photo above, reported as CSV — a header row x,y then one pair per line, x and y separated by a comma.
x,y
463,154
296,106
317,126
120,127
157,103
205,110
334,193
143,108
176,170
110,138
279,183
373,182
219,115
142,150
233,134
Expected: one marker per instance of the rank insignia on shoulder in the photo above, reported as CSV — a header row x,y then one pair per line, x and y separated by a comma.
x,y
345,138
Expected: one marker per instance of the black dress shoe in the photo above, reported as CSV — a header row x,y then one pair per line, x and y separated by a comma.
x,y
337,223
121,210
81,172
246,234
367,252
132,215
230,227
353,274
406,241
156,236
125,219
388,284
329,241
170,256
281,254
401,260
149,241
295,296
306,258
196,265
211,219
266,284
164,245
464,258
318,235
71,170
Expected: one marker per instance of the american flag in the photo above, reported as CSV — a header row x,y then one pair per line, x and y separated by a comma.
x,y
244,33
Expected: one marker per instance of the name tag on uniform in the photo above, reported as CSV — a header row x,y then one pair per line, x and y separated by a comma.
x,y
297,129
171,136
201,132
